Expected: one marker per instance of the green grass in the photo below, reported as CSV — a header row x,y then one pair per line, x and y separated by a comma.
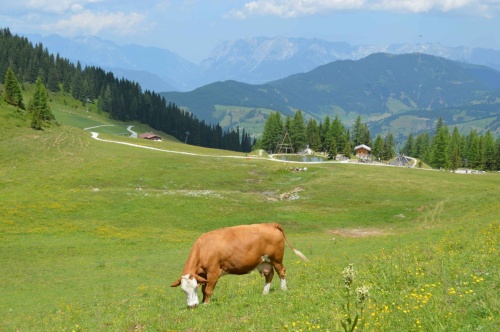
x,y
92,234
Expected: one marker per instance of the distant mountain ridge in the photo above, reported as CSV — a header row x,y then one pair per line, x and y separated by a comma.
x,y
383,88
153,68
253,60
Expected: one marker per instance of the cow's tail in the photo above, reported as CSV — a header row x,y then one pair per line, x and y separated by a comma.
x,y
298,253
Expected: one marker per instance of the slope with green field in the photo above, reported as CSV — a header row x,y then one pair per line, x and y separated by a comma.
x,y
92,234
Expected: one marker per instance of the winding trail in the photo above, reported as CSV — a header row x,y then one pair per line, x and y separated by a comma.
x,y
133,134
95,136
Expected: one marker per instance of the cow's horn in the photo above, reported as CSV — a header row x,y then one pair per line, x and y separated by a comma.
x,y
176,283
201,280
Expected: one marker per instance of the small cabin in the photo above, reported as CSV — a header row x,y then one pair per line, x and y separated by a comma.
x,y
362,150
150,136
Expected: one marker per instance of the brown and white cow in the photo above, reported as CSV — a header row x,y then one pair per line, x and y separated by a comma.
x,y
234,250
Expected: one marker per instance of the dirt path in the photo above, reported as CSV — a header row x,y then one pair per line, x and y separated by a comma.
x,y
133,134
96,136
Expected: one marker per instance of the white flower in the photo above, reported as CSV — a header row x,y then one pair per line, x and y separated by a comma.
x,y
348,273
362,293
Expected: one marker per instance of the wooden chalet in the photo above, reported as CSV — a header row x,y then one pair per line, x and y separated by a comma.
x,y
150,136
362,150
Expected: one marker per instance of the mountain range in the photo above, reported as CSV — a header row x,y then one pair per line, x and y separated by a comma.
x,y
401,93
253,60
403,90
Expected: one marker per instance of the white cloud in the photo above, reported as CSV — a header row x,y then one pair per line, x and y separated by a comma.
x,y
87,22
76,8
294,8
57,6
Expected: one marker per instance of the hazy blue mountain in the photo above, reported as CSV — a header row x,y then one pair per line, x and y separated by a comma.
x,y
252,60
153,68
262,59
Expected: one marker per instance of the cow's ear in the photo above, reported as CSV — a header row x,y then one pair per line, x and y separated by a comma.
x,y
201,280
176,283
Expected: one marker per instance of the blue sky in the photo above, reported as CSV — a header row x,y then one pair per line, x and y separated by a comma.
x,y
192,28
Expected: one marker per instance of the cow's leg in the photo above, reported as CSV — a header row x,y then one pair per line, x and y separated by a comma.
x,y
208,288
278,266
267,270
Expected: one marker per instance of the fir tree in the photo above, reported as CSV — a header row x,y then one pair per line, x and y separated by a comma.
x,y
496,165
298,132
473,150
39,107
454,150
325,127
273,131
422,146
332,152
12,88
347,149
388,149
378,147
488,151
409,145
357,132
313,135
439,146
338,133
365,135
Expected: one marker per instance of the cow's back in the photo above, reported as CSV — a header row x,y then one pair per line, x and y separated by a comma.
x,y
240,249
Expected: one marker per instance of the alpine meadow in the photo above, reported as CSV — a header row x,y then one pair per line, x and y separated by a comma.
x,y
95,226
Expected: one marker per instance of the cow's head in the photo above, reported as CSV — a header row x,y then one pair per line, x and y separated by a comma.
x,y
189,283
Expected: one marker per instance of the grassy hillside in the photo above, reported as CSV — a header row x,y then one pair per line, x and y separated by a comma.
x,y
93,233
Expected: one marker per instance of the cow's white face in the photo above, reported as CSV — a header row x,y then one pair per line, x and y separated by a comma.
x,y
189,285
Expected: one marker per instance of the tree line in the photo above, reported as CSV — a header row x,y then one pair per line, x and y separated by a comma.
x,y
122,99
329,136
452,150
441,149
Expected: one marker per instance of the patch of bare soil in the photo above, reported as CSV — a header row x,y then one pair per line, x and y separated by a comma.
x,y
357,232
272,196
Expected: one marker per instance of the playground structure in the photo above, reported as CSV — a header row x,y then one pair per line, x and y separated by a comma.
x,y
402,160
284,145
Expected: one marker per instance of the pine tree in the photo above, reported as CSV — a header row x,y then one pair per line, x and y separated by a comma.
x,y
313,136
388,149
298,132
409,145
338,133
39,107
454,150
422,147
488,151
378,147
53,80
473,150
439,146
365,135
325,127
332,152
12,88
496,166
77,83
273,131
347,149
357,132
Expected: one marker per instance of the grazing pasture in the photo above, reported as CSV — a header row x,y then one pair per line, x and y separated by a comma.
x,y
93,233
